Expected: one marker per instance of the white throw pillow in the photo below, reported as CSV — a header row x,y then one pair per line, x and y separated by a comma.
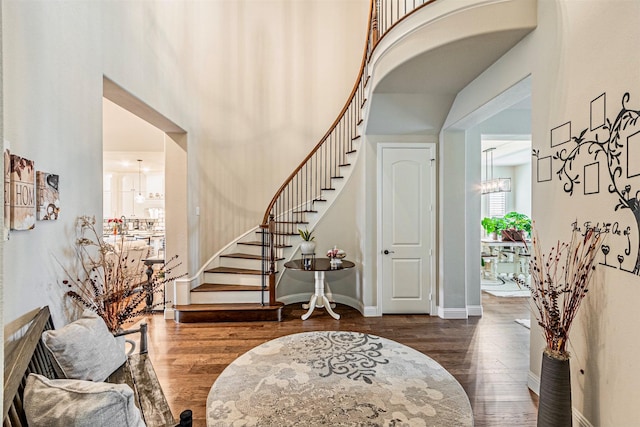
x,y
64,403
85,349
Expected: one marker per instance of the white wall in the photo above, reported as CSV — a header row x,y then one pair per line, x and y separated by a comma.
x,y
238,76
53,109
573,57
1,213
521,191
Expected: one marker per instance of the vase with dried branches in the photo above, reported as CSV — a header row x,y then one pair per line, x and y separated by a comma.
x,y
107,279
559,282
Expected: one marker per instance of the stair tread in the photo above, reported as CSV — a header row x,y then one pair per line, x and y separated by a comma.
x,y
351,152
216,287
232,270
241,256
258,243
279,233
344,164
355,138
227,307
245,256
291,222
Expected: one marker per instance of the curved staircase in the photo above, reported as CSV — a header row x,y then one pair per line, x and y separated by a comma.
x,y
239,282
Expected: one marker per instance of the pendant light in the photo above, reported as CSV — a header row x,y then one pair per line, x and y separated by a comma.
x,y
139,197
491,185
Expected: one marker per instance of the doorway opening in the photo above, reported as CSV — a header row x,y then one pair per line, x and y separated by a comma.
x,y
145,179
508,158
133,178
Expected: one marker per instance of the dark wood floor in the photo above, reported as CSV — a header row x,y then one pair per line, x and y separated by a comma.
x,y
489,356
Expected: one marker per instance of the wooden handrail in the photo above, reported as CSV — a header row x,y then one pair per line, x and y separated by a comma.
x,y
373,39
363,64
296,196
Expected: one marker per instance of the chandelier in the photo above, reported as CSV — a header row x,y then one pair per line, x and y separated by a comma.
x,y
490,184
139,197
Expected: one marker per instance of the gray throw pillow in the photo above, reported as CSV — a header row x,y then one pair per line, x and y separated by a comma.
x,y
64,403
85,349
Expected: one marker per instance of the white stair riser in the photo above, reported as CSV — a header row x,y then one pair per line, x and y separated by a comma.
x,y
229,297
233,279
249,264
283,239
255,250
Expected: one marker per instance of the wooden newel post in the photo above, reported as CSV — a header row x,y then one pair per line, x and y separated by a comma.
x,y
272,250
272,262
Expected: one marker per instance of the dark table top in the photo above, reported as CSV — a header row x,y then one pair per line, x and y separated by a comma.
x,y
318,264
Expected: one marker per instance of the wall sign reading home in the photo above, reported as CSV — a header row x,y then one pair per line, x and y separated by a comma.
x,y
23,194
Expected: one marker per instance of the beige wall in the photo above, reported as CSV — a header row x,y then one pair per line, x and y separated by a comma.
x,y
255,84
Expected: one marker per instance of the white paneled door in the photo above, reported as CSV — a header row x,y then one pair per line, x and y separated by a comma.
x,y
407,227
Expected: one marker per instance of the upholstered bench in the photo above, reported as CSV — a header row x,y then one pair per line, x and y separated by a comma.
x,y
31,355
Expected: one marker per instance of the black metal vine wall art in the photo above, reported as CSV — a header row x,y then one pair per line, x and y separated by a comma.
x,y
616,148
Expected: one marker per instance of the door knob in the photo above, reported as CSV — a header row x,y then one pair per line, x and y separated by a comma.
x,y
387,252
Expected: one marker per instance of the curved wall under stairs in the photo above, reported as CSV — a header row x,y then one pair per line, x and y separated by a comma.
x,y
344,217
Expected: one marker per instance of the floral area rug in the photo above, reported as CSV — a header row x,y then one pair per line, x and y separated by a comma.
x,y
336,379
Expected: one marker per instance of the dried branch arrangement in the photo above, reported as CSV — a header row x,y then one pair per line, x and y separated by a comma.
x,y
559,282
111,281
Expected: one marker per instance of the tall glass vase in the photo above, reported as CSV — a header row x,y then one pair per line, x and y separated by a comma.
x,y
554,406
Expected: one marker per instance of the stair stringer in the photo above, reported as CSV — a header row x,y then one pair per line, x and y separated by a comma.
x,y
183,287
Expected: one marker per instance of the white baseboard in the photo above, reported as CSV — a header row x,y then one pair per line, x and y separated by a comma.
x,y
295,298
452,313
169,314
579,420
351,302
533,382
306,296
474,310
371,311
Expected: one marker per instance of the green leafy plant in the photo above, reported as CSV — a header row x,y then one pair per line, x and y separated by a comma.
x,y
306,235
489,224
517,221
493,225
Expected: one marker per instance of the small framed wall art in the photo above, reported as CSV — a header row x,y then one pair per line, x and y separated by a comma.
x,y
48,196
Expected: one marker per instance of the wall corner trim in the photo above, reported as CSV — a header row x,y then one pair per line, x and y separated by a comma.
x,y
533,382
474,310
579,420
371,311
452,313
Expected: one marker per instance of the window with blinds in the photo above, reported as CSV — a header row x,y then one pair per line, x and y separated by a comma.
x,y
497,204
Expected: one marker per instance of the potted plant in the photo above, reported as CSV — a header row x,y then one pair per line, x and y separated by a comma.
x,y
514,226
559,281
489,225
308,246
